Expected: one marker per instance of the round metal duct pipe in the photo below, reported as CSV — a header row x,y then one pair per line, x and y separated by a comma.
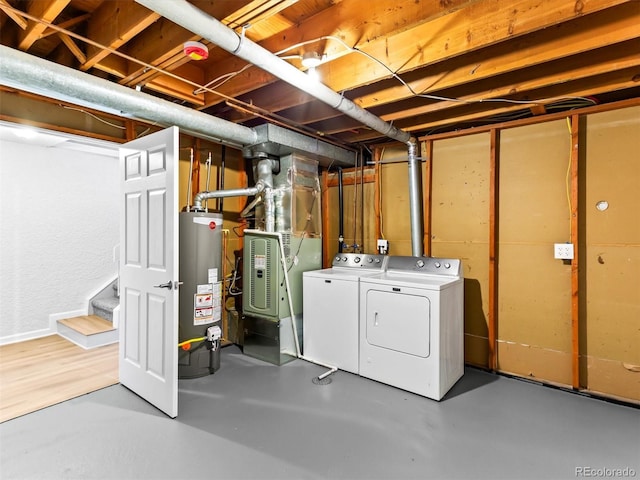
x,y
188,16
27,72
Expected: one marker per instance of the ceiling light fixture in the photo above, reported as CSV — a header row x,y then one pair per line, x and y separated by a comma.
x,y
311,59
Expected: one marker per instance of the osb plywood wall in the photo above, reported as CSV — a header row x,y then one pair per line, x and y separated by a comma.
x,y
460,227
359,221
610,306
534,290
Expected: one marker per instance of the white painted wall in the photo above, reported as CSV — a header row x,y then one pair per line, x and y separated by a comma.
x,y
58,228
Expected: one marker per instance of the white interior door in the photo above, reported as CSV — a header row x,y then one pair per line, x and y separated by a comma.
x,y
149,269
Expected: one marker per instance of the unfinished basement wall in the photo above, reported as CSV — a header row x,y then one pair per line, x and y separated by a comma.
x,y
359,219
394,206
610,258
460,227
533,290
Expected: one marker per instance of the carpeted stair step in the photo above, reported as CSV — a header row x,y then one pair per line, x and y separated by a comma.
x,y
103,307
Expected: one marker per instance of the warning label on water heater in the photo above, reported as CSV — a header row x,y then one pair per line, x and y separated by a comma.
x,y
207,303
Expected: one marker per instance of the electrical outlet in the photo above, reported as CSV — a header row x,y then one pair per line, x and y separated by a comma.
x,y
383,246
563,251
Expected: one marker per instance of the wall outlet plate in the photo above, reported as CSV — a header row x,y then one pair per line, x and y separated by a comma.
x,y
383,246
563,251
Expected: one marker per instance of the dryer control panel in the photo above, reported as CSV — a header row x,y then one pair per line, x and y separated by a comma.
x,y
359,260
450,267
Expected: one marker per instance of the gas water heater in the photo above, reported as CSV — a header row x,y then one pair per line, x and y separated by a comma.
x,y
200,310
274,259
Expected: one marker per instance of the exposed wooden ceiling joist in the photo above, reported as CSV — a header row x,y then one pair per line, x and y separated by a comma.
x,y
467,50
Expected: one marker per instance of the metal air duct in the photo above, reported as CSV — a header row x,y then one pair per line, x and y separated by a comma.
x,y
188,16
27,72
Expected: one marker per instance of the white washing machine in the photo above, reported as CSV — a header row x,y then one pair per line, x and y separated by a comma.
x,y
411,325
330,309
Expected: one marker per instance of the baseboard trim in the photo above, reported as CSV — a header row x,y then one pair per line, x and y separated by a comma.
x,y
23,337
54,317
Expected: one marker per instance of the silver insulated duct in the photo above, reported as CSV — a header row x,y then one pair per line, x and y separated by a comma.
x,y
188,16
27,72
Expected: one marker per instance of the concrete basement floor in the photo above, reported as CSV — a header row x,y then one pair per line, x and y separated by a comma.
x,y
253,420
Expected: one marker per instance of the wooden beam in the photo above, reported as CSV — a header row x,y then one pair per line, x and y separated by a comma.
x,y
11,13
57,128
65,25
608,27
73,48
494,181
195,173
606,107
130,130
353,179
478,25
113,24
354,25
467,115
575,238
598,62
47,10
162,45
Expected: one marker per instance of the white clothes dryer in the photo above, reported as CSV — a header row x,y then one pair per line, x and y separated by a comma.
x,y
411,325
330,314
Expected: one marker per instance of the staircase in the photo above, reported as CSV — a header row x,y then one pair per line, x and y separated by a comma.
x,y
95,329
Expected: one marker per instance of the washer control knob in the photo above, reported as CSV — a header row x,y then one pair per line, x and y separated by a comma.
x,y
420,264
377,260
344,259
337,259
437,264
356,259
370,259
447,265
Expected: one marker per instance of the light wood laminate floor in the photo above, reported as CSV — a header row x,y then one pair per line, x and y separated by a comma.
x,y
45,371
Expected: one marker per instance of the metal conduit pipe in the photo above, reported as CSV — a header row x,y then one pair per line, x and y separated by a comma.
x,y
237,192
264,171
415,200
36,75
190,17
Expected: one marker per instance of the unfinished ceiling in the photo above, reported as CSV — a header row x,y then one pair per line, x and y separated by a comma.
x,y
425,66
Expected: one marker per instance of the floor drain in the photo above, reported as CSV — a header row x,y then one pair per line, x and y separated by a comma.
x,y
324,381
